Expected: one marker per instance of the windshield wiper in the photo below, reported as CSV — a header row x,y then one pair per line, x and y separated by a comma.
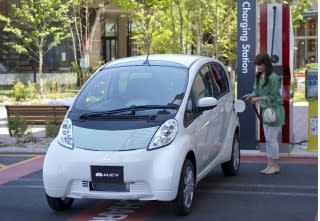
x,y
131,109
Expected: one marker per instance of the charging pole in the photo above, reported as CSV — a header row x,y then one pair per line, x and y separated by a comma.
x,y
276,38
246,52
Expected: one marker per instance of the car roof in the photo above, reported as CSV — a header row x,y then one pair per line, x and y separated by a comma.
x,y
184,60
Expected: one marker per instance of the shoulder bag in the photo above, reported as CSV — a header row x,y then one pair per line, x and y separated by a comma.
x,y
269,115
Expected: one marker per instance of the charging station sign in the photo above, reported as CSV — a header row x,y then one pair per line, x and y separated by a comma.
x,y
246,52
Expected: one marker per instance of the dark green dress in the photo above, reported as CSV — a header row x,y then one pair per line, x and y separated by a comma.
x,y
271,90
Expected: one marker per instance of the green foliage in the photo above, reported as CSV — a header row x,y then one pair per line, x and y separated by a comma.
x,y
17,127
23,91
30,90
38,25
18,91
172,26
52,129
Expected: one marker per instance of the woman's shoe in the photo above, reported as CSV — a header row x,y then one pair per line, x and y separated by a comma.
x,y
272,170
268,166
264,170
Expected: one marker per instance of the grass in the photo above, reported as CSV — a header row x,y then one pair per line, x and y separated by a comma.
x,y
6,97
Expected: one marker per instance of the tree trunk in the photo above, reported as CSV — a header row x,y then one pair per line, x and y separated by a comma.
x,y
181,28
74,46
40,66
40,61
173,28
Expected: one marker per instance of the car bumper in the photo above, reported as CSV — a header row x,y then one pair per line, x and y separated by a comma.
x,y
148,175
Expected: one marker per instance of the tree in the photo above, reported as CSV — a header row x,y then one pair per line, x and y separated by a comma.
x,y
83,18
38,25
148,18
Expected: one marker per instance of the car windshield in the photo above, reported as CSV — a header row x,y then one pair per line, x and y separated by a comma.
x,y
129,86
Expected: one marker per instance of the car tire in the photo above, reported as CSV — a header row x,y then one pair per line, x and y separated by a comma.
x,y
183,203
59,204
231,167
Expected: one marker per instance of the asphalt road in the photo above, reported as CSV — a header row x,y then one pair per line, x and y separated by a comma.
x,y
290,196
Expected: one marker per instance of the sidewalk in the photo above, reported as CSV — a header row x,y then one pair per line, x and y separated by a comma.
x,y
40,143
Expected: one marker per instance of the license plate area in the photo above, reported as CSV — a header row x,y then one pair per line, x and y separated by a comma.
x,y
107,174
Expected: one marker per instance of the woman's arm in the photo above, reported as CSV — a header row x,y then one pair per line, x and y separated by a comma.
x,y
274,87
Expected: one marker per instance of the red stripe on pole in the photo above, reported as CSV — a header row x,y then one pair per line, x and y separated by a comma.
x,y
263,47
286,103
286,71
263,28
285,37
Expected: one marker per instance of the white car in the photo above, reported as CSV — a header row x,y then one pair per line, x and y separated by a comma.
x,y
145,128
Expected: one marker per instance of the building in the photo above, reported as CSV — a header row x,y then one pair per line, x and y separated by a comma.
x,y
110,40
306,40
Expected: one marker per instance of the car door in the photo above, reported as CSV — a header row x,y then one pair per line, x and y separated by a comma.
x,y
224,100
205,125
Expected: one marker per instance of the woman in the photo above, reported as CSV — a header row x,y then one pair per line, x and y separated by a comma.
x,y
266,92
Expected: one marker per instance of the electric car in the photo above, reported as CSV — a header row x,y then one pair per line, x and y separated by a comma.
x,y
145,128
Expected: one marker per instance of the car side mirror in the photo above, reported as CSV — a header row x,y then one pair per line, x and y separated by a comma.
x,y
206,103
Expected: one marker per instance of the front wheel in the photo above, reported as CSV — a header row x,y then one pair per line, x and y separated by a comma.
x,y
182,204
231,167
59,204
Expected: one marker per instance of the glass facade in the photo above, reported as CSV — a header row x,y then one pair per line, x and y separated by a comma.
x,y
306,41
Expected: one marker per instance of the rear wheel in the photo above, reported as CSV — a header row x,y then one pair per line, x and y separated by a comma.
x,y
59,204
231,168
183,203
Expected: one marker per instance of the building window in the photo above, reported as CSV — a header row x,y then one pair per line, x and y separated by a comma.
x,y
110,27
306,50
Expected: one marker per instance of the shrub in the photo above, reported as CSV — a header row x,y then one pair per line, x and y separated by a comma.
x,y
30,90
23,91
17,126
18,91
52,129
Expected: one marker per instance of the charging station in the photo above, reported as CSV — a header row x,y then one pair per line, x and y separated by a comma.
x,y
277,39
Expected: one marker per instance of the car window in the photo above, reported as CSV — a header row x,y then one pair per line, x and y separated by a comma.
x,y
220,78
202,87
215,86
123,87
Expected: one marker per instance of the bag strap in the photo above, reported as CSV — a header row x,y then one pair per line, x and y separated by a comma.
x,y
269,103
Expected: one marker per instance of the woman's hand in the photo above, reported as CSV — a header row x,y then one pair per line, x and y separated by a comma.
x,y
247,97
254,100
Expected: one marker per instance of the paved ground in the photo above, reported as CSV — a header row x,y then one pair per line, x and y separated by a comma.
x,y
249,196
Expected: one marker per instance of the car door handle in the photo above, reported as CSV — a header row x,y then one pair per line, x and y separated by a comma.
x,y
205,125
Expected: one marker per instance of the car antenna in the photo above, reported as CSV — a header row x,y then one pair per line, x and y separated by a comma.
x,y
147,59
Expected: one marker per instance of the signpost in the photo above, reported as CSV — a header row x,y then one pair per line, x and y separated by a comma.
x,y
246,52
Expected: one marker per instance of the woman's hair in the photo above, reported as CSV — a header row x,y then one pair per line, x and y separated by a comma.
x,y
263,58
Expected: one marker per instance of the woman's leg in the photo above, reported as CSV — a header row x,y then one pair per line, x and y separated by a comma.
x,y
272,149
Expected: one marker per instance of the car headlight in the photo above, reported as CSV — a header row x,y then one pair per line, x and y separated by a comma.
x,y
164,135
65,134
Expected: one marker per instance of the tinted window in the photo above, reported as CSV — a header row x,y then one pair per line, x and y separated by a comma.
x,y
202,87
220,77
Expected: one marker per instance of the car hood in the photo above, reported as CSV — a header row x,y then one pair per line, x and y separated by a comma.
x,y
112,140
